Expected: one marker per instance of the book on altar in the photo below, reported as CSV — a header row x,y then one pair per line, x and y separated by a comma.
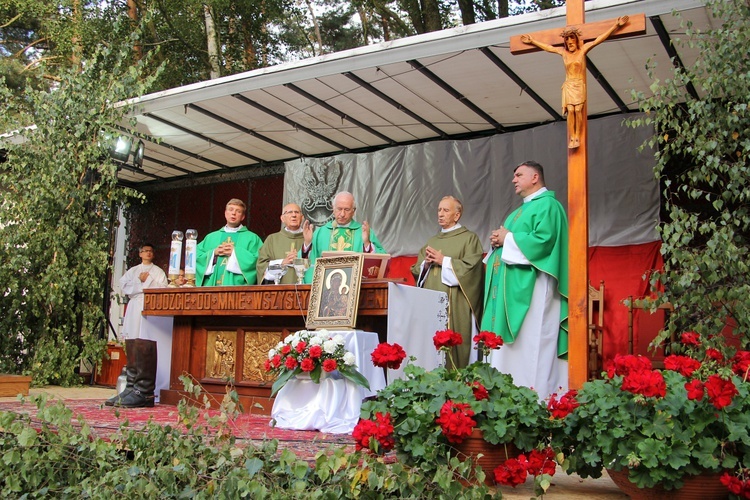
x,y
375,265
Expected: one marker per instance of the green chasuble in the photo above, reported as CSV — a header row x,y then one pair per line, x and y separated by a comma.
x,y
276,247
246,246
465,251
540,229
341,239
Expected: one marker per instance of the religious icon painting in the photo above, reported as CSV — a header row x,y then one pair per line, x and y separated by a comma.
x,y
334,294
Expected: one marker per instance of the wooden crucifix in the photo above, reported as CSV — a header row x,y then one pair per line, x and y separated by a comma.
x,y
573,43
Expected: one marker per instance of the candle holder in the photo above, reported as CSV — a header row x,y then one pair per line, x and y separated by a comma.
x,y
175,253
191,243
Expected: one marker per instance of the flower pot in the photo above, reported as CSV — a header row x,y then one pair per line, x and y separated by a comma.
x,y
706,486
492,454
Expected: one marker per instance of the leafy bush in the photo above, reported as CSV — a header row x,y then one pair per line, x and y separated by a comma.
x,y
56,458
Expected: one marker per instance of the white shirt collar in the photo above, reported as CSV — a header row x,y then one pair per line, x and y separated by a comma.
x,y
535,194
232,229
453,228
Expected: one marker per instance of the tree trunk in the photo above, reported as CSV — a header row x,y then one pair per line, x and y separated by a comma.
x,y
467,11
316,26
502,8
211,43
431,14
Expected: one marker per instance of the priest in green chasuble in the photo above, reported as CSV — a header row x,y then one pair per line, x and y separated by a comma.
x,y
281,248
451,262
526,287
228,256
342,233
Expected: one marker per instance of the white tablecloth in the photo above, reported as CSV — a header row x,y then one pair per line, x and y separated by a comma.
x,y
414,315
333,405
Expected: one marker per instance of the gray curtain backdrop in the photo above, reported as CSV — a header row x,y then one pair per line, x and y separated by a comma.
x,y
398,189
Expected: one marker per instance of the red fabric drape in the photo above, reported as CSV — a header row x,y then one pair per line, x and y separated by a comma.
x,y
623,270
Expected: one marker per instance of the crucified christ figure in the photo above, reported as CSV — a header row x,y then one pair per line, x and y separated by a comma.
x,y
574,53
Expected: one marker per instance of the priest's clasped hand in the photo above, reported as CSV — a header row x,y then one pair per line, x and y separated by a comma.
x,y
432,256
366,234
497,238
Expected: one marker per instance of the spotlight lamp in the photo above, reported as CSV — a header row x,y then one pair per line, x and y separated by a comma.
x,y
120,150
140,149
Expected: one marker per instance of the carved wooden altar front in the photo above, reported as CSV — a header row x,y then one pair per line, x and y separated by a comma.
x,y
225,333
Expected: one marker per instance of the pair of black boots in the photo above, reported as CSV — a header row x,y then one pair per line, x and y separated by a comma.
x,y
141,376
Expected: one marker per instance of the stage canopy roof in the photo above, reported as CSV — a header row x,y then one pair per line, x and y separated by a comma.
x,y
456,83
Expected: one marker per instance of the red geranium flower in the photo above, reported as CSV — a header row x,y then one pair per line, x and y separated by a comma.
x,y
690,338
541,462
649,383
316,351
695,390
446,339
375,435
564,406
714,354
720,392
510,473
741,363
733,483
455,421
329,365
307,365
624,364
388,355
480,391
489,339
684,365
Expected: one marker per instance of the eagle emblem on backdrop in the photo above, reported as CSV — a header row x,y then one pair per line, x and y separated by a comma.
x,y
320,183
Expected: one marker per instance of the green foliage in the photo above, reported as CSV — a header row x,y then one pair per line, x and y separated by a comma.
x,y
53,457
660,440
511,414
703,160
60,196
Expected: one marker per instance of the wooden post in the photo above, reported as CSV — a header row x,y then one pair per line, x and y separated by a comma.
x,y
578,199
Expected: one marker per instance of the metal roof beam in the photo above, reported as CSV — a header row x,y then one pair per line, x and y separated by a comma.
x,y
171,147
289,122
456,94
338,113
204,138
367,86
242,129
612,93
520,82
666,41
